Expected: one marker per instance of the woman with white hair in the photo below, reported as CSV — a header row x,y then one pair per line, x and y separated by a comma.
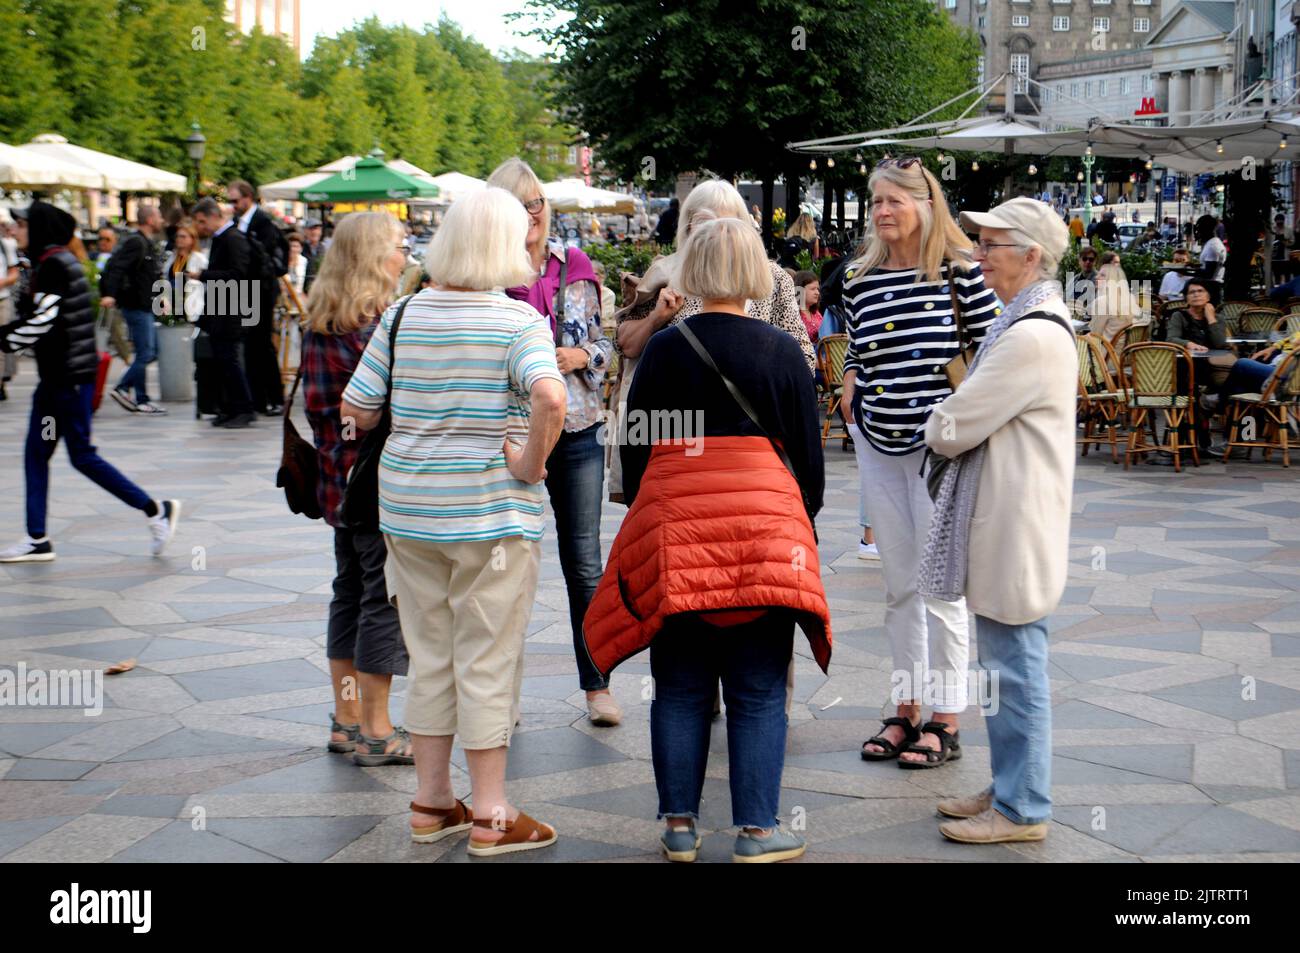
x,y
716,561
1001,528
1113,306
564,289
915,301
477,404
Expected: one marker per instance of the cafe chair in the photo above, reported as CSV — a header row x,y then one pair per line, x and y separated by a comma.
x,y
1151,371
1101,397
831,351
1273,410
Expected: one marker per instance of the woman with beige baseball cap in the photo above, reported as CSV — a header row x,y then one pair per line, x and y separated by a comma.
x,y
1001,527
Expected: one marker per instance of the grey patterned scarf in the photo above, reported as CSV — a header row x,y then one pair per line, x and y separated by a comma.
x,y
942,574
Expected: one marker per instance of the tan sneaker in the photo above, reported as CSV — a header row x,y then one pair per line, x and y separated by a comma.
x,y
963,807
603,710
990,827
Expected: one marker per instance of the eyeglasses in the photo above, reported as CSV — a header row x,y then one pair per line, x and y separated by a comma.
x,y
983,247
903,162
533,206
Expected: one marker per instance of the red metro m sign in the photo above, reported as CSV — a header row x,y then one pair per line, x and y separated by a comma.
x,y
1148,107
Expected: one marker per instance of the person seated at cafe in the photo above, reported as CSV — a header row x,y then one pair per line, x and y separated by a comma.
x,y
1113,306
1195,325
810,306
1084,281
1249,375
1171,286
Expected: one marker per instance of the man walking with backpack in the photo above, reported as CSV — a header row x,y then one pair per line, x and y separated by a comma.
x,y
128,283
55,320
270,259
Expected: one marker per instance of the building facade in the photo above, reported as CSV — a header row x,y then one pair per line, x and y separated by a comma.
x,y
275,17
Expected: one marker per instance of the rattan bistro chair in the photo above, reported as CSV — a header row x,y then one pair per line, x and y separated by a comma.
x,y
1150,372
831,351
1273,409
1258,322
1230,314
1101,398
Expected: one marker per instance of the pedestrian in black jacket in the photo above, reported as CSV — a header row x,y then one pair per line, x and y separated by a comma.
x,y
231,299
270,253
55,319
128,282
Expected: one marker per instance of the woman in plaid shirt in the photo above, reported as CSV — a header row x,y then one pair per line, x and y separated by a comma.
x,y
365,648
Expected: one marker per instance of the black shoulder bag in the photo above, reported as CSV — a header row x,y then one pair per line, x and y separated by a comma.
x,y
359,510
299,473
748,408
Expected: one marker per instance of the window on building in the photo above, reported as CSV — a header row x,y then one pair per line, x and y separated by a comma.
x,y
950,4
982,20
1141,25
1060,24
1101,3
1020,19
1101,24
1101,87
979,70
1087,89
1020,67
1146,82
1141,3
1125,85
1074,90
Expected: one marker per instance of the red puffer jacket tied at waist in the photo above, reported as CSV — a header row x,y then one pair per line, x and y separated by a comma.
x,y
723,529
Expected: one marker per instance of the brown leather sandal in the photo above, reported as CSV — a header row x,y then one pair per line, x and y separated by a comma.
x,y
455,819
516,837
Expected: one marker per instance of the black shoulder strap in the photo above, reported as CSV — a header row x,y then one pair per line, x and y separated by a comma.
x,y
559,298
740,398
1047,316
392,347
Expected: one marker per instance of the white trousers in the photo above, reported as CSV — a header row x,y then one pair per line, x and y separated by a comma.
x,y
930,638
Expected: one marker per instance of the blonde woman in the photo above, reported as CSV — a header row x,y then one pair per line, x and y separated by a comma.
x,y
723,604
799,237
184,294
364,640
1113,306
564,289
477,405
899,293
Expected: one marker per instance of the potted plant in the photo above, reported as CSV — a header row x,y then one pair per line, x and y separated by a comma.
x,y
175,345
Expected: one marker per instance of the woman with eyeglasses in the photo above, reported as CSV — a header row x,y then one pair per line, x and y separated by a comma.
x,y
900,292
566,292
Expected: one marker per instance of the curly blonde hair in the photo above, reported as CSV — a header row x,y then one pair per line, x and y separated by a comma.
x,y
352,287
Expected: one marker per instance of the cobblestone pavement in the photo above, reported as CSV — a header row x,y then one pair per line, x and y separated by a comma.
x,y
1175,679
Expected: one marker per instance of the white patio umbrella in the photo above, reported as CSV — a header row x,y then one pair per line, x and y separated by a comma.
x,y
22,169
114,172
455,185
574,195
288,189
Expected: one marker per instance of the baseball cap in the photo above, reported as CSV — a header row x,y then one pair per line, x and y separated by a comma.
x,y
1031,218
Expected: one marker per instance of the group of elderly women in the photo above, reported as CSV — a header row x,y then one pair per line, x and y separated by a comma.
x,y
492,382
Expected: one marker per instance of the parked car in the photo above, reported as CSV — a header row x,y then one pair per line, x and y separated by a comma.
x,y
1129,231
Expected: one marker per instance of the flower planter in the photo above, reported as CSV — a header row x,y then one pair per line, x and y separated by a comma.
x,y
176,361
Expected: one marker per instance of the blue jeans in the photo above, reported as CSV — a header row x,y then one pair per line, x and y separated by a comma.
x,y
575,477
1020,734
687,658
144,342
64,411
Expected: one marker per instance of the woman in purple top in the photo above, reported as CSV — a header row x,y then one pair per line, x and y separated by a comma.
x,y
575,470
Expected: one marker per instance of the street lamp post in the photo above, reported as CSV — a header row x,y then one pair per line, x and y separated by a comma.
x,y
196,144
1088,160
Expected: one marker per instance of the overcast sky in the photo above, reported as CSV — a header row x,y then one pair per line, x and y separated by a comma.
x,y
482,19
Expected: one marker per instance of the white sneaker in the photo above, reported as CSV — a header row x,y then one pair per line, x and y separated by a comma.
x,y
28,550
163,526
149,408
868,551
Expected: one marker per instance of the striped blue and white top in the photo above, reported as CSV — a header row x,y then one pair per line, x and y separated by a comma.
x,y
901,334
466,362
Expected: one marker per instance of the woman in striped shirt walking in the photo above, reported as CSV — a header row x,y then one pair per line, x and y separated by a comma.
x,y
902,332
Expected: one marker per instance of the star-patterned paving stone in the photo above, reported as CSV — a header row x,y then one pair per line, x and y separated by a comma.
x,y
1175,670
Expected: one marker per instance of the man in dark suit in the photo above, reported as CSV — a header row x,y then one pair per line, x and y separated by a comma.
x,y
270,256
231,297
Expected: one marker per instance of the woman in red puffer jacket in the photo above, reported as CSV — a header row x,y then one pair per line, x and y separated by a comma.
x,y
717,561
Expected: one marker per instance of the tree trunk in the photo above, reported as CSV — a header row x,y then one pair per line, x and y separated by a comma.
x,y
1247,203
839,207
862,193
768,189
793,193
828,193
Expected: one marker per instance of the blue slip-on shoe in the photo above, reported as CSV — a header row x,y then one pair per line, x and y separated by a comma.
x,y
777,846
680,846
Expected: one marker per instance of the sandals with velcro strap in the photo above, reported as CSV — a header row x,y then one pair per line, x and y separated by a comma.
x,y
949,747
517,834
910,734
374,752
351,732
455,819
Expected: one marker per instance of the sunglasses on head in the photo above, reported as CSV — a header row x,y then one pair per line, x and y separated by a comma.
x,y
902,162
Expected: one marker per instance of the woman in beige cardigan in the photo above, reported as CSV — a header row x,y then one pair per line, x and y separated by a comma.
x,y
1000,534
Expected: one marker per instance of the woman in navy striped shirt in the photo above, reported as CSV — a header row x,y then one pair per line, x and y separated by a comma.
x,y
902,332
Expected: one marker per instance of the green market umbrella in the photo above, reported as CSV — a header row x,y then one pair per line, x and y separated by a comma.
x,y
370,180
